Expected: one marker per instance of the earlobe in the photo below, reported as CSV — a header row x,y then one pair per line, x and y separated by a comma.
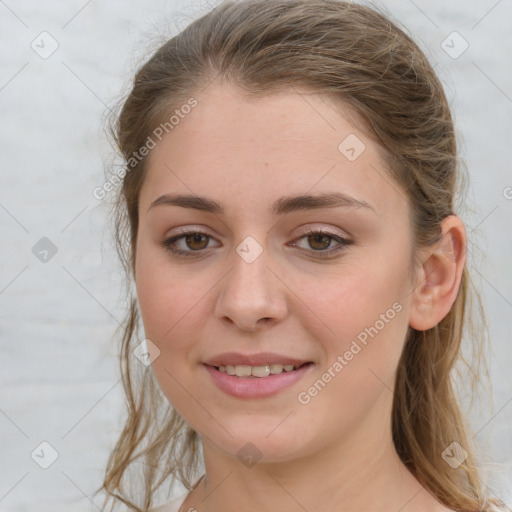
x,y
438,278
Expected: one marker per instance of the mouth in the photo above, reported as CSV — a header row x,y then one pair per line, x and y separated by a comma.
x,y
257,382
260,371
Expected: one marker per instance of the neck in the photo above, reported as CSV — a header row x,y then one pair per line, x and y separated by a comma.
x,y
361,471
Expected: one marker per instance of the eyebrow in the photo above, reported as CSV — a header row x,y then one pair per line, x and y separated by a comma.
x,y
281,206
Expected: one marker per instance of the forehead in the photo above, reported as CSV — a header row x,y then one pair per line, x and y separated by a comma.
x,y
245,152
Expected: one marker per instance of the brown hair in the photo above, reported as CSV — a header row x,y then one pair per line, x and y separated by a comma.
x,y
358,57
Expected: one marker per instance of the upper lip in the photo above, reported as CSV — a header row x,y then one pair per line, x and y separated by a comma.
x,y
260,359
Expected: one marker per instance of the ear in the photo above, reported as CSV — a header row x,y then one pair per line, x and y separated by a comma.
x,y
438,276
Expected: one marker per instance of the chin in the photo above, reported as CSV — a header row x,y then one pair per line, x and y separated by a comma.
x,y
262,439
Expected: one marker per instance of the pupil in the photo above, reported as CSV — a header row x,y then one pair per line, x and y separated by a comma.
x,y
196,237
318,238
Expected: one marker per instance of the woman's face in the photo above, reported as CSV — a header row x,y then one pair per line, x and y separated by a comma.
x,y
256,285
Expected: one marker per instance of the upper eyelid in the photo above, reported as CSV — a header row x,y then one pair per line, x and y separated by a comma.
x,y
343,240
304,229
304,233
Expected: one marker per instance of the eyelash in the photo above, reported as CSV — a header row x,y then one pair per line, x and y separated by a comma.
x,y
168,243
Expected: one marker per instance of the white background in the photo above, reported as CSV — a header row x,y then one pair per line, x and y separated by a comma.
x,y
59,373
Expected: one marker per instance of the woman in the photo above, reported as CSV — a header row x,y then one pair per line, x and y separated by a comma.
x,y
287,217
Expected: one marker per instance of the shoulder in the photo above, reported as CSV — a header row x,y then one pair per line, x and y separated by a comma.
x,y
489,507
171,506
496,508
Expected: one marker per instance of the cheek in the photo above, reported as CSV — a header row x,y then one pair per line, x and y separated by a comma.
x,y
364,309
357,297
174,304
165,293
361,358
170,303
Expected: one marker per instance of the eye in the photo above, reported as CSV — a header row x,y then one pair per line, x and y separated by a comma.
x,y
320,240
197,241
194,239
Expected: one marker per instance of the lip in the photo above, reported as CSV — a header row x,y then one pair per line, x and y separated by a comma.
x,y
257,387
260,359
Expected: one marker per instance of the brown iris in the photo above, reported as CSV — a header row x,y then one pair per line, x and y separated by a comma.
x,y
318,238
195,237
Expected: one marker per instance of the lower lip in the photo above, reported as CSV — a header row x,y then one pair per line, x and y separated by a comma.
x,y
256,387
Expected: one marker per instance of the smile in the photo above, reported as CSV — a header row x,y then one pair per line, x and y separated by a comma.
x,y
257,371
244,381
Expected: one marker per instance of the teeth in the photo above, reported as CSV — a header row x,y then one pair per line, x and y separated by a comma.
x,y
257,371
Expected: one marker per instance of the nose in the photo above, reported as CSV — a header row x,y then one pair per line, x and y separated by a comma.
x,y
251,295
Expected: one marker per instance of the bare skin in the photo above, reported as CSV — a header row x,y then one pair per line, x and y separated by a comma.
x,y
334,452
